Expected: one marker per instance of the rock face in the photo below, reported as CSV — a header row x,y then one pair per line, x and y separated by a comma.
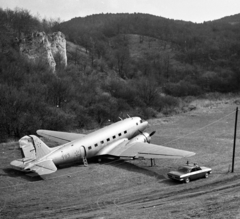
x,y
49,49
58,47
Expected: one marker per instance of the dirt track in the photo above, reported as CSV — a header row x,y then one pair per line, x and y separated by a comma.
x,y
133,189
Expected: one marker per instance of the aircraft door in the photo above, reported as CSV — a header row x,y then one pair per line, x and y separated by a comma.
x,y
84,155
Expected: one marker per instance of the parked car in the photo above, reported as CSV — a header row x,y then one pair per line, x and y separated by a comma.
x,y
189,172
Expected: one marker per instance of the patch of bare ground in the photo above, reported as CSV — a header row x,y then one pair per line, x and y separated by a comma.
x,y
133,189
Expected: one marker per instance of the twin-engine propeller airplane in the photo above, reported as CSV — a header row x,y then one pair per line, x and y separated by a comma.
x,y
123,139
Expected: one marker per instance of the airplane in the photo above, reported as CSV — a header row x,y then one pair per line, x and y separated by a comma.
x,y
124,139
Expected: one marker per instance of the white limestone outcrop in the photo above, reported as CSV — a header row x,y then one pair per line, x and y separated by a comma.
x,y
58,47
49,49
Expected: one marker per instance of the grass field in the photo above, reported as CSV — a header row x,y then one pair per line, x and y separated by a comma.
x,y
133,189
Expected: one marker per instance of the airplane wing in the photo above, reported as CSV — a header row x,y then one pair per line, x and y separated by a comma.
x,y
145,150
59,137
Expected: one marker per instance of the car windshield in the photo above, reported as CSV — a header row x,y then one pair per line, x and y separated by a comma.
x,y
183,169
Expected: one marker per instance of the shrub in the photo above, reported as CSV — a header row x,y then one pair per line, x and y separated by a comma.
x,y
56,119
182,88
166,102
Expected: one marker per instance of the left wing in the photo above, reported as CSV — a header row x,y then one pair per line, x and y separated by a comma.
x,y
145,150
59,137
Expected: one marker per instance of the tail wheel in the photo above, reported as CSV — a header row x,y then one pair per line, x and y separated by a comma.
x,y
206,175
187,180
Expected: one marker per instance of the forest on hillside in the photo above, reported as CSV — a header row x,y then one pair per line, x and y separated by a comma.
x,y
118,65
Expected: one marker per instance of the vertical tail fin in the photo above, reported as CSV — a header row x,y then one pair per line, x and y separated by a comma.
x,y
27,148
41,148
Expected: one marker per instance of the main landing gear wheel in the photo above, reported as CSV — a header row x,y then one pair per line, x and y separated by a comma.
x,y
187,180
206,175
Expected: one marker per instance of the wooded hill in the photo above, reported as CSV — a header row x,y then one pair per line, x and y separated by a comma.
x,y
206,55
118,64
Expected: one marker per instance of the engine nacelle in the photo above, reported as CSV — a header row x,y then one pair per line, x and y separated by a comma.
x,y
144,138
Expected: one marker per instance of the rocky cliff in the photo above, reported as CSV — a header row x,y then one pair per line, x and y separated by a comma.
x,y
58,48
49,49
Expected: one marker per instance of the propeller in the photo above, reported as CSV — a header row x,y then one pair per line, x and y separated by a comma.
x,y
152,133
148,138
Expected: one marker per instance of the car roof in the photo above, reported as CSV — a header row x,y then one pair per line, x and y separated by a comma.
x,y
189,166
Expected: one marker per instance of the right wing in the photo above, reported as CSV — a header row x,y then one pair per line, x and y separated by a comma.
x,y
144,150
59,137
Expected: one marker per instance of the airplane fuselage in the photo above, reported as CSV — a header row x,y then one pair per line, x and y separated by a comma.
x,y
92,144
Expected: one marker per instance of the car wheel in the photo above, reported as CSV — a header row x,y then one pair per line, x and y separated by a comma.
x,y
187,180
206,175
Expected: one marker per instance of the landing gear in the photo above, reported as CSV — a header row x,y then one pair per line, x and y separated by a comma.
x,y
153,162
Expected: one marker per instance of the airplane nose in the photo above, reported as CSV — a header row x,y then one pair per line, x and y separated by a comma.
x,y
145,124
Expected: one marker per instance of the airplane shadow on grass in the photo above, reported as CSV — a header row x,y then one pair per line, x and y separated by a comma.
x,y
131,166
127,165
15,173
159,173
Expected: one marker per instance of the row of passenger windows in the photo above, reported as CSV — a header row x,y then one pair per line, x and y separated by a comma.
x,y
108,139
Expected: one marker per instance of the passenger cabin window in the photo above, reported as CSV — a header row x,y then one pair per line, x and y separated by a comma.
x,y
141,121
136,123
96,145
102,142
114,137
125,132
108,139
89,148
119,134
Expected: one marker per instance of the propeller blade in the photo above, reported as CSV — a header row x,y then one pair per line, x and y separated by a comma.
x,y
148,139
152,133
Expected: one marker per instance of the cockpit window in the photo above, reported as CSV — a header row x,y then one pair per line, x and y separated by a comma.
x,y
141,121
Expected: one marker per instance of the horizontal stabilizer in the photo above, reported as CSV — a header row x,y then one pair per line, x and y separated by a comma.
x,y
45,167
18,165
